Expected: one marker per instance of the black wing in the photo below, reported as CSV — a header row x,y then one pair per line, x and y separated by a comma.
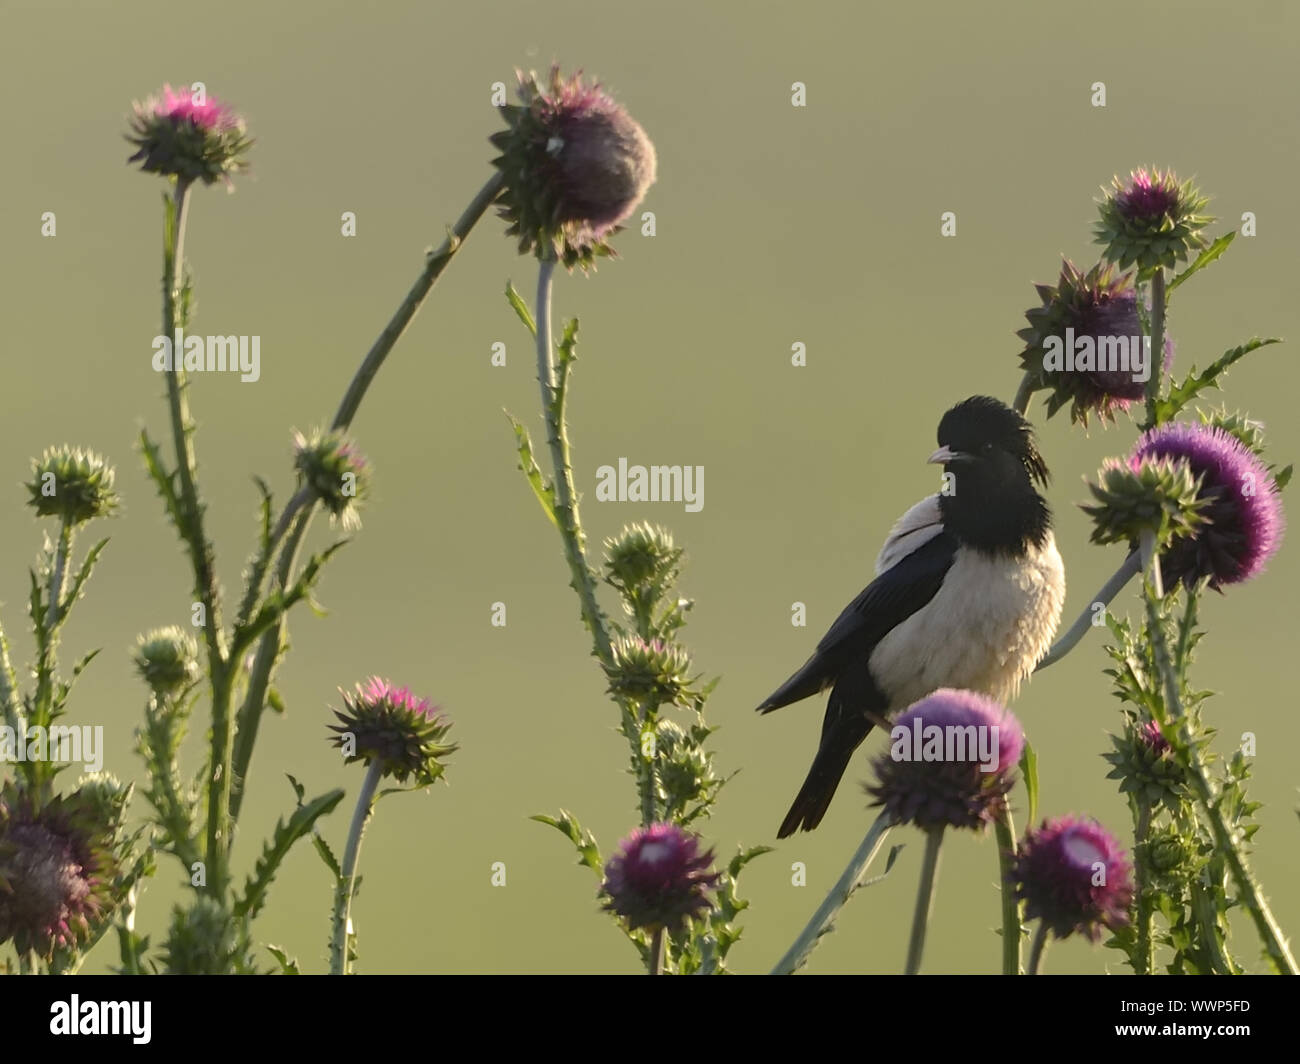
x,y
884,604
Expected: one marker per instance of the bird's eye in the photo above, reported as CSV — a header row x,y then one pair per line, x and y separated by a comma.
x,y
987,449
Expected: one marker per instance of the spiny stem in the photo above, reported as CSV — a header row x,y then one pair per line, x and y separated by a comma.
x,y
58,574
1142,873
10,701
1250,893
1157,345
823,919
566,495
1112,587
292,524
1038,949
200,552
924,900
1005,831
583,580
339,963
1208,919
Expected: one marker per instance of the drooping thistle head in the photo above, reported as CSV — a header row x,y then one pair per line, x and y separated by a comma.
x,y
1102,307
575,163
659,878
336,473
1072,874
72,484
56,868
1151,219
951,762
188,135
384,723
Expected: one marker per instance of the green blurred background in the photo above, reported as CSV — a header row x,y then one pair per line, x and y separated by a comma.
x,y
775,225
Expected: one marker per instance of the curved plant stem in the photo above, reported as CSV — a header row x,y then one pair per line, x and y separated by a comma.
x,y
553,384
566,494
824,918
292,524
1112,587
1005,831
1228,844
1020,404
339,962
924,900
436,262
1038,949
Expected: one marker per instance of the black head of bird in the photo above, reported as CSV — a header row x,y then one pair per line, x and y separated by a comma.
x,y
989,499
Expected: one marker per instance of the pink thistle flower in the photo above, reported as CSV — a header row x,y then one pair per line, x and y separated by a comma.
x,y
392,725
187,136
1243,519
1072,874
659,878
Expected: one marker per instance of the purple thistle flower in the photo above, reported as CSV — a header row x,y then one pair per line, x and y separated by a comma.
x,y
1102,308
1148,198
1072,875
393,726
189,138
1152,220
951,761
659,878
1243,520
575,164
56,871
1153,738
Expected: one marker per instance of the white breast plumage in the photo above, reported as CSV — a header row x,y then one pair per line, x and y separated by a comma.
x,y
986,628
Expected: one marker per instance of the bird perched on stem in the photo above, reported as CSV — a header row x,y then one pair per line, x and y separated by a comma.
x,y
968,593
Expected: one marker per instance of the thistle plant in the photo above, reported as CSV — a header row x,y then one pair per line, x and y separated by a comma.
x,y
398,736
1196,506
70,870
576,164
